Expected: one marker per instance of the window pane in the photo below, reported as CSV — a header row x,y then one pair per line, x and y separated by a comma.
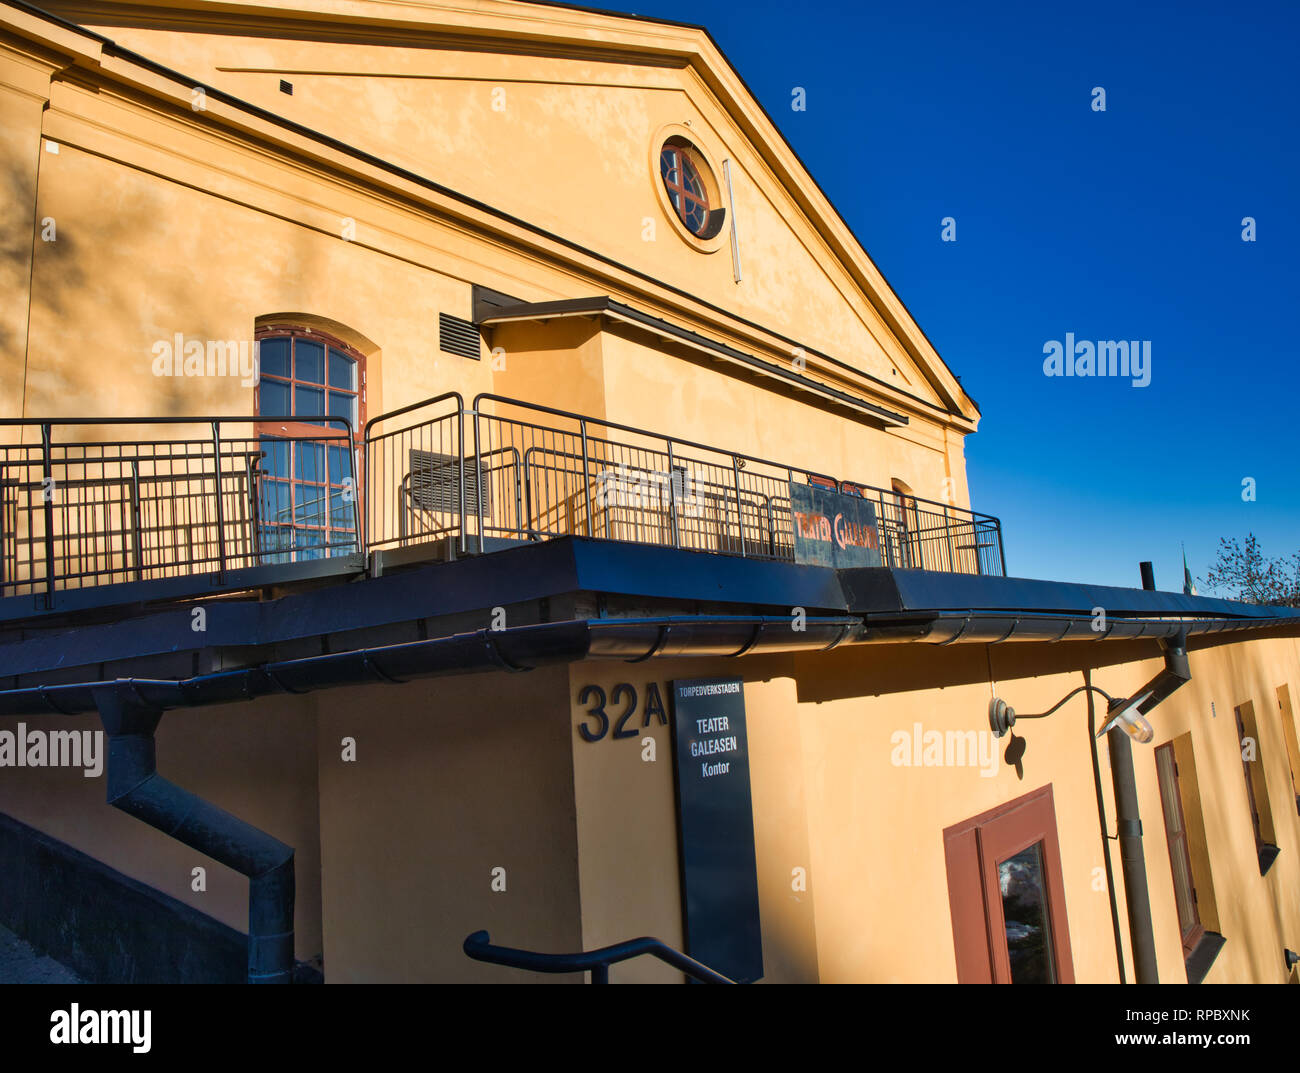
x,y
273,398
273,357
309,504
342,515
309,401
276,460
310,541
310,464
1024,908
274,504
343,371
276,538
309,361
343,405
340,467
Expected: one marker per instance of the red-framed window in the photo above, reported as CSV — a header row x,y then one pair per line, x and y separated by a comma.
x,y
682,177
309,499
1007,894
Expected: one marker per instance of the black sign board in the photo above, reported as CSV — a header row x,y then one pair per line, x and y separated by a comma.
x,y
715,827
833,529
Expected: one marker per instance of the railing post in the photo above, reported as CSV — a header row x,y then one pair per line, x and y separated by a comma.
x,y
221,508
947,532
1002,555
135,517
586,477
672,498
519,493
740,514
478,484
460,456
883,532
47,494
360,526
600,973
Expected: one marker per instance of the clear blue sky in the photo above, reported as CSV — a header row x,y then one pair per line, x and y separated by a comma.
x,y
1123,224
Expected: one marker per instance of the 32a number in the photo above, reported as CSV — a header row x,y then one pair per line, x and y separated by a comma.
x,y
625,694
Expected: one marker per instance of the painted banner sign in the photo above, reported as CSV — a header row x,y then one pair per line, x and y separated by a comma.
x,y
833,529
715,827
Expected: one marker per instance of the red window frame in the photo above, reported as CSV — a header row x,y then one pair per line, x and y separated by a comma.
x,y
973,850
674,157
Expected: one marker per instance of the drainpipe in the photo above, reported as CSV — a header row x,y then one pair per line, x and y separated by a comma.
x,y
135,787
1128,821
1129,825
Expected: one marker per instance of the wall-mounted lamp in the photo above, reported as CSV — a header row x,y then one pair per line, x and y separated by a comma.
x,y
1291,958
1002,717
1127,715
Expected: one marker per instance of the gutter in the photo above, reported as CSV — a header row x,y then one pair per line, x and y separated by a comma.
x,y
995,627
521,648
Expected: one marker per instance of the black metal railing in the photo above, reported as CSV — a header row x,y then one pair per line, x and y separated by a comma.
x,y
479,947
84,504
532,472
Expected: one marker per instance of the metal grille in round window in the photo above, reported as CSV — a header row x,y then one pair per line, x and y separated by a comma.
x,y
684,174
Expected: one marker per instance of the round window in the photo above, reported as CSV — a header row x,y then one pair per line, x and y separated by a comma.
x,y
685,174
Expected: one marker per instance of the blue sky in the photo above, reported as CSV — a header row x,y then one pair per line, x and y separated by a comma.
x,y
1122,224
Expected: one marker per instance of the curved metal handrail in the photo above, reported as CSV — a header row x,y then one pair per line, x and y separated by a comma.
x,y
479,947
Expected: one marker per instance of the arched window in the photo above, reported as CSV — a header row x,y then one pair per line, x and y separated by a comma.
x,y
308,494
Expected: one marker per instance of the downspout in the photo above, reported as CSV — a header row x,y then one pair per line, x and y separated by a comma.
x,y
1128,824
1105,838
1128,821
135,787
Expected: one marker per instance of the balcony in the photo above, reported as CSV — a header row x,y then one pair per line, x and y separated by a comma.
x,y
101,511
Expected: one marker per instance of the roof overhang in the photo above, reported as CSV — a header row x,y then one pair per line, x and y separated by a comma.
x,y
892,606
608,308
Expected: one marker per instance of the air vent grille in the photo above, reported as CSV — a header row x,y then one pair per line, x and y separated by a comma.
x,y
434,486
456,336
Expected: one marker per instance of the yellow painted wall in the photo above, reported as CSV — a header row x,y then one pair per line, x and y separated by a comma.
x,y
24,82
168,226
583,130
453,778
829,796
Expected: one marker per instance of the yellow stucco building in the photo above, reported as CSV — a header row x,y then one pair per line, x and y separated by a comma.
x,y
461,475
